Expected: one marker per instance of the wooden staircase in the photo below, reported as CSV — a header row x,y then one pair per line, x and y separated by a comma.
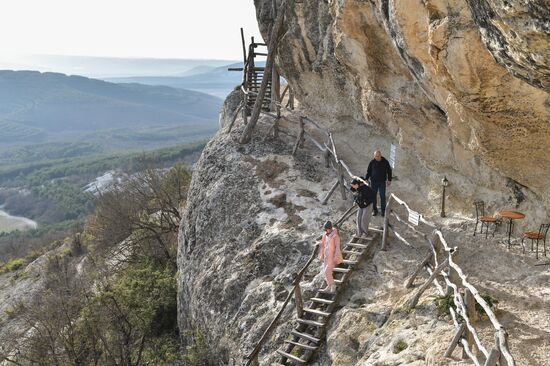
x,y
254,75
310,329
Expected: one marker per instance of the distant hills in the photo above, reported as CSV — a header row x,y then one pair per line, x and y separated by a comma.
x,y
106,67
216,81
42,107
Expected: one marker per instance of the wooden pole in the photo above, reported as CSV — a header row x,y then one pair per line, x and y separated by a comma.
x,y
326,155
244,46
470,304
386,222
275,90
423,288
341,180
419,268
493,358
234,118
455,340
255,361
273,38
332,189
300,137
299,301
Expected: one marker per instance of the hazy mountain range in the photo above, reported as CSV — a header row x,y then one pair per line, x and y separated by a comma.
x,y
108,67
41,107
217,81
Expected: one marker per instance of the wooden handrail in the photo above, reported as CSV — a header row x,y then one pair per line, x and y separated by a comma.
x,y
447,250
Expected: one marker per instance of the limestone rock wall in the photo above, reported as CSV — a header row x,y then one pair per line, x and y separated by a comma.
x,y
462,85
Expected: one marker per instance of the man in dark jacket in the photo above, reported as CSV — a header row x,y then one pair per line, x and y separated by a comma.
x,y
379,173
364,198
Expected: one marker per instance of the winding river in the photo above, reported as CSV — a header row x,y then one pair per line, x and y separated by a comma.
x,y
11,223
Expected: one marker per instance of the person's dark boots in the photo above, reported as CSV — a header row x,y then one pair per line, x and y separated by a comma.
x,y
375,212
383,213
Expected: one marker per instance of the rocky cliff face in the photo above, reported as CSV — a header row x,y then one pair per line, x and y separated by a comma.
x,y
461,85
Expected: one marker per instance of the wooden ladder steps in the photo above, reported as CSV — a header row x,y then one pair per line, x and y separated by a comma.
x,y
309,337
291,357
322,301
317,312
357,238
349,261
305,346
323,291
310,322
351,252
341,270
356,245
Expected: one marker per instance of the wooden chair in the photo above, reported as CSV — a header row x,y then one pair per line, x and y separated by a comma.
x,y
538,236
485,220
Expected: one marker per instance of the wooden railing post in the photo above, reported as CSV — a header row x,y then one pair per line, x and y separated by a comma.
x,y
470,305
326,155
332,189
456,339
299,301
386,223
255,361
341,180
300,138
419,268
275,91
502,360
423,288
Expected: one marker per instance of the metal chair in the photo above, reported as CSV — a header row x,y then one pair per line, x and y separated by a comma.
x,y
538,236
485,220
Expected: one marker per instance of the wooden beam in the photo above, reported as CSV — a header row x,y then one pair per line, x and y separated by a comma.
x,y
244,46
299,301
386,222
332,189
343,189
273,38
300,137
423,288
493,358
455,340
234,118
419,268
470,305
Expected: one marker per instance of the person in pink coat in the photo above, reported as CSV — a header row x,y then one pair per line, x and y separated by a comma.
x,y
330,253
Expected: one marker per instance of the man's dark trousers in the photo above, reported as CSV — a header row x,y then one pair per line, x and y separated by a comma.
x,y
379,187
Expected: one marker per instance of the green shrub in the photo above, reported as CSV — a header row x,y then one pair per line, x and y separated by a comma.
x,y
444,304
400,346
13,265
491,301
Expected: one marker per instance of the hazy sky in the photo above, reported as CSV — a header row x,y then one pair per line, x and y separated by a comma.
x,y
127,28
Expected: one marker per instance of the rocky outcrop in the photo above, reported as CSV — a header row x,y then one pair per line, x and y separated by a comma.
x,y
461,85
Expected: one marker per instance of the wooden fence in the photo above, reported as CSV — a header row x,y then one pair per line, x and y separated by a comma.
x,y
441,262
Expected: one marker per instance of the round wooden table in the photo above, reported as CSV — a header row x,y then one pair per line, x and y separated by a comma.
x,y
510,215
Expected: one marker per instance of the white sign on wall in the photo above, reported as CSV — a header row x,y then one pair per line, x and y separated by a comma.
x,y
414,217
393,153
